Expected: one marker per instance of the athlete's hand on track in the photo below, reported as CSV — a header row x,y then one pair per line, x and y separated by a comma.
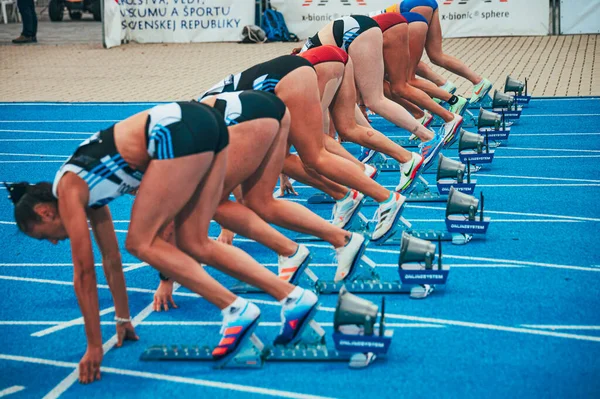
x,y
164,295
285,186
125,332
226,236
89,365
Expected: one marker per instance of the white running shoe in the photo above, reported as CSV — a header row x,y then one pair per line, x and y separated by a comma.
x,y
344,209
291,267
409,171
371,171
349,255
387,216
450,129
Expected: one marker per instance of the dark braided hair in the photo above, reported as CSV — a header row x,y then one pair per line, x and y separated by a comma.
x,y
25,197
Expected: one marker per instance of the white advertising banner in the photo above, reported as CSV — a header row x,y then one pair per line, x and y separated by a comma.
x,y
176,21
579,16
459,18
466,18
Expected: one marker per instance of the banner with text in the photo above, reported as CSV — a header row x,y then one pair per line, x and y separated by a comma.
x,y
579,16
459,18
175,21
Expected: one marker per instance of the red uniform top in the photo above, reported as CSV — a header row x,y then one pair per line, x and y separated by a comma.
x,y
389,19
317,55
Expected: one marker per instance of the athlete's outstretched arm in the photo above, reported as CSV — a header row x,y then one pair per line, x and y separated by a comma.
x,y
73,194
104,232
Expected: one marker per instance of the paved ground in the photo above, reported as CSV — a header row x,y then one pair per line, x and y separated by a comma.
x,y
69,64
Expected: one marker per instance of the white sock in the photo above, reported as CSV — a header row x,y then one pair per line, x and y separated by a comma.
x,y
235,307
369,170
296,292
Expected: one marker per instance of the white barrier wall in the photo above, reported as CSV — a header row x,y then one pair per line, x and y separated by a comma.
x,y
459,18
175,21
579,16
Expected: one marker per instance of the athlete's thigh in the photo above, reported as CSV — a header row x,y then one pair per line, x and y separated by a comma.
x,y
166,187
249,142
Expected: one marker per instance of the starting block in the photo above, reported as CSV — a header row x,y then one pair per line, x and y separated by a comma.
x,y
471,148
485,102
506,105
519,89
493,125
462,217
406,142
356,339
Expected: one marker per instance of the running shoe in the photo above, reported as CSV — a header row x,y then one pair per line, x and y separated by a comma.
x,y
480,90
349,255
426,119
450,129
430,149
290,268
409,172
449,87
346,208
387,216
296,313
460,106
366,154
371,171
237,324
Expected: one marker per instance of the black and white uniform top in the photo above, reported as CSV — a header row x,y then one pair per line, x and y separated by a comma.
x,y
261,77
345,30
242,106
172,130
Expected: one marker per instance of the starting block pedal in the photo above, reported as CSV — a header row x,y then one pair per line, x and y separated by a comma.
x,y
485,102
519,89
471,148
493,125
356,339
506,105
451,173
462,216
406,142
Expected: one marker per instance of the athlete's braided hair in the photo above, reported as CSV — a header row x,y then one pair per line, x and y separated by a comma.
x,y
25,197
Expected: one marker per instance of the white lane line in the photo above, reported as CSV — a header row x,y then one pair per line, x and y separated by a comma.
x,y
52,264
28,323
107,346
135,267
58,161
65,121
545,156
556,115
45,132
549,149
169,378
68,324
11,390
543,215
552,134
538,178
561,327
30,140
8,154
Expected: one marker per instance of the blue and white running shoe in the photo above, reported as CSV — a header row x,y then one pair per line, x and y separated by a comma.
x,y
237,325
296,314
430,149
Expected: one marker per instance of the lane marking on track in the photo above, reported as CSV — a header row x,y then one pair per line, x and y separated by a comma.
x,y
561,327
45,132
68,324
11,390
65,121
166,377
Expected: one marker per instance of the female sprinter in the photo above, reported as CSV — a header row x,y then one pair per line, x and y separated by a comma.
x,y
175,156
332,61
397,57
255,159
433,45
361,38
294,80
